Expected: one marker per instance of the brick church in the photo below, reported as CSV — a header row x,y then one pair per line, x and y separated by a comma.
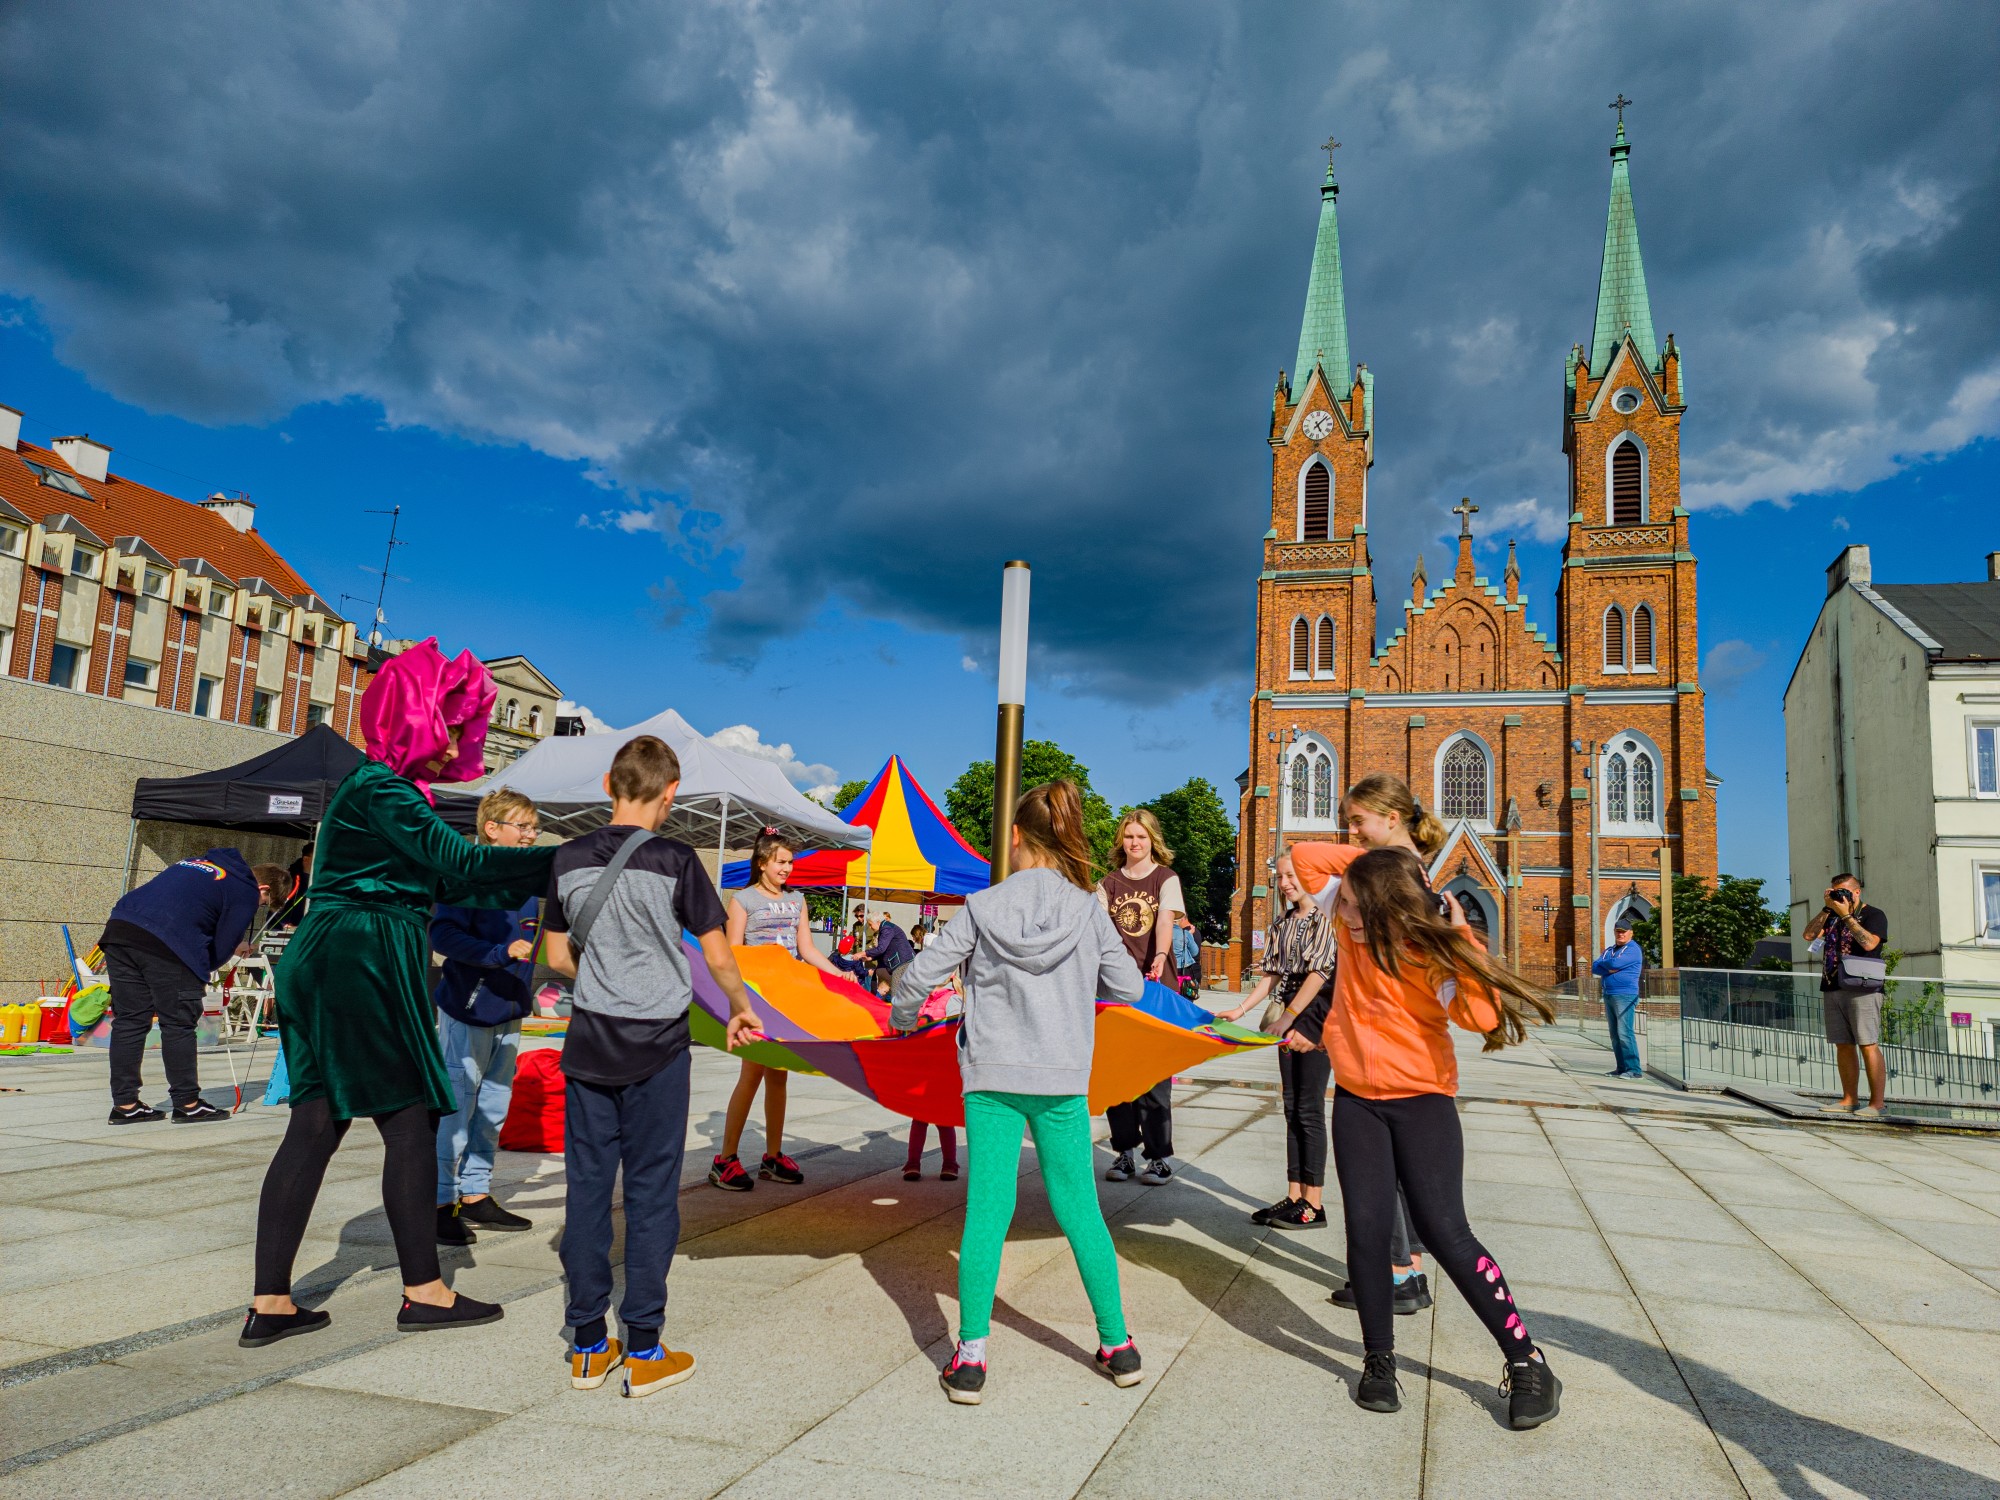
x,y
1521,740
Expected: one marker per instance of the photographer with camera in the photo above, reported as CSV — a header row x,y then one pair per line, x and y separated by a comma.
x,y
1853,935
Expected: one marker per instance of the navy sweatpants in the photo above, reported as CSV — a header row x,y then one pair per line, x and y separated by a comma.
x,y
641,1127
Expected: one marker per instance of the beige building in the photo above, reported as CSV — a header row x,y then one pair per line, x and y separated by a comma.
x,y
524,712
1892,771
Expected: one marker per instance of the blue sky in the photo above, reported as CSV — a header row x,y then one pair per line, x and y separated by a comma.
x,y
720,355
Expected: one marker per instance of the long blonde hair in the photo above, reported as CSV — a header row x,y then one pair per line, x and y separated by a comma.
x,y
1049,820
1400,920
1143,816
1387,795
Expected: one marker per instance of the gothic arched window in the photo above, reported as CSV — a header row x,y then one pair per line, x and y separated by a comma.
x,y
1644,809
1301,775
1617,793
1316,503
1323,647
1614,639
1322,786
1462,781
1301,648
1642,636
1628,484
1630,796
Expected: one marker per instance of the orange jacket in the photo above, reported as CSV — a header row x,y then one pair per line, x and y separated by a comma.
x,y
1388,1035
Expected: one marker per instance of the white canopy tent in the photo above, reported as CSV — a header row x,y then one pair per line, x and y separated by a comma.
x,y
726,798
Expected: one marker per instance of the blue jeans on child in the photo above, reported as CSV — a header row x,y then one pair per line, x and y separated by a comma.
x,y
480,1061
1622,1011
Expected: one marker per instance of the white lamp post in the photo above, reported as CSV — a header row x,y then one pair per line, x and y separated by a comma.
x,y
1013,709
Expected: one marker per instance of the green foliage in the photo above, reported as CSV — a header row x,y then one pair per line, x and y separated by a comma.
x,y
1713,929
969,801
1197,828
849,790
823,902
1911,1012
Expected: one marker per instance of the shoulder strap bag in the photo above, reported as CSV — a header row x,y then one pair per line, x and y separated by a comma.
x,y
600,890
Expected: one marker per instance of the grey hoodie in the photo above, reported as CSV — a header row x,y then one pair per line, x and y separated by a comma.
x,y
1037,953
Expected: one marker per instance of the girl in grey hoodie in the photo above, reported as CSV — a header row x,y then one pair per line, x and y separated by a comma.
x,y
1037,951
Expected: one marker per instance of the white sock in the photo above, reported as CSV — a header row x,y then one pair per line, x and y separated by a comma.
x,y
972,1351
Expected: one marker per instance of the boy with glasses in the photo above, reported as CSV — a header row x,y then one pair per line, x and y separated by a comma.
x,y
483,993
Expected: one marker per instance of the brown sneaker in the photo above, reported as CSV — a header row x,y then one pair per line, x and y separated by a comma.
x,y
588,1371
645,1376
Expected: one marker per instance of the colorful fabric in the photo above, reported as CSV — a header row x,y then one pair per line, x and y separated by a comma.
x,y
416,699
915,847
816,1022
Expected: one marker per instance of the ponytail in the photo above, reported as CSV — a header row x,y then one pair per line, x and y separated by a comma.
x,y
1050,822
1390,795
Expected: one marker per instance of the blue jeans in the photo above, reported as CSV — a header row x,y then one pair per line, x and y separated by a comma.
x,y
1622,1011
480,1061
643,1128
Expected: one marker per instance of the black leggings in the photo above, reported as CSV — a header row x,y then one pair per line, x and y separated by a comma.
x,y
1376,1143
1303,1076
409,1183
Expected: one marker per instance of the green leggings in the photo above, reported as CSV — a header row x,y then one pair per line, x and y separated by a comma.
x,y
994,1123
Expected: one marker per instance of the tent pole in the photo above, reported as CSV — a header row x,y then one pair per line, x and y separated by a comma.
x,y
721,837
131,854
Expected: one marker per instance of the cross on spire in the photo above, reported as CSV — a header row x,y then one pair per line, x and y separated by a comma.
x,y
1465,510
1621,104
1329,146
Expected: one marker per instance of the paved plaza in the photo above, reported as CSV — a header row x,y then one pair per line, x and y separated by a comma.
x,y
1737,1306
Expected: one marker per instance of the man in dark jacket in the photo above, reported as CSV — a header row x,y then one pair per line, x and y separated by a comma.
x,y
483,994
162,942
892,952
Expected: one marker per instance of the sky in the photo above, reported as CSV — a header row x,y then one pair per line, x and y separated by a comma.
x,y
719,354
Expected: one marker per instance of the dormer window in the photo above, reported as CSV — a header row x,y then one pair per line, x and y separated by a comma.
x,y
56,479
84,561
219,601
13,540
281,620
155,586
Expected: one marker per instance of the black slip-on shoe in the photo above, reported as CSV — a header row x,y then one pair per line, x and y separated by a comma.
x,y
1270,1211
487,1213
1377,1389
466,1312
260,1329
143,1114
452,1228
1300,1215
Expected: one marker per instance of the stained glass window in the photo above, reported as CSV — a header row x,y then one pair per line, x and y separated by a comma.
x,y
1323,786
1617,794
1464,778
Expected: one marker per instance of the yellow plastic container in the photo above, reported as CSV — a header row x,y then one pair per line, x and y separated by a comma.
x,y
31,1022
10,1023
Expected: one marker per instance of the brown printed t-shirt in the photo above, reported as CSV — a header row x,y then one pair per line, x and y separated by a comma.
x,y
1135,907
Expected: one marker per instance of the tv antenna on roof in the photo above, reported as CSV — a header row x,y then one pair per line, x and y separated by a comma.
x,y
395,515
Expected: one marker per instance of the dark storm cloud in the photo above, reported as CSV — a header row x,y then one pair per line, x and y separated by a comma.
x,y
900,291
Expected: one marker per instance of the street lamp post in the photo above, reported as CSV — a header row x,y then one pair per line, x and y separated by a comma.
x,y
1014,579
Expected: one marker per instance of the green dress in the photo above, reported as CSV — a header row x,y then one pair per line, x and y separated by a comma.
x,y
354,1012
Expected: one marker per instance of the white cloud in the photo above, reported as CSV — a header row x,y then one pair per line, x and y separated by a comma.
x,y
815,780
967,664
1840,523
1728,665
1536,519
592,724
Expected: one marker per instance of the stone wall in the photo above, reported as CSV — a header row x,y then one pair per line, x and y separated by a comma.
x,y
68,763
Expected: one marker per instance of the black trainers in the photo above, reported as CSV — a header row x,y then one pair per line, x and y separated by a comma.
x,y
141,1113
1411,1296
1157,1172
1121,1364
726,1172
260,1329
1377,1389
780,1168
1300,1215
197,1112
464,1312
1121,1168
965,1383
1265,1214
488,1214
452,1228
1533,1393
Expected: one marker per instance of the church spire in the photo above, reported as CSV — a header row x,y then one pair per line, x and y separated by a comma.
x,y
1323,334
1621,285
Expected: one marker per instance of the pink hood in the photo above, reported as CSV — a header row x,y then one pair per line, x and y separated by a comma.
x,y
415,700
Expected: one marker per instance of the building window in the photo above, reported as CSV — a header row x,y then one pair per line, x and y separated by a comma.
x,y
1301,781
207,691
1617,790
6,653
219,602
281,621
1463,790
1301,648
1989,905
83,561
1323,647
1322,787
12,540
513,713
1630,785
65,664
1311,779
155,586
1614,639
262,706
139,674
535,720
1986,760
1642,638
1316,503
1628,484
315,714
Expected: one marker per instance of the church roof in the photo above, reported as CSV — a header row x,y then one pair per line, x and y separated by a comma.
x,y
1323,334
1621,283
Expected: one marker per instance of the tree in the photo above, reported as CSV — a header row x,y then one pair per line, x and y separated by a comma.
x,y
969,801
841,799
1713,929
1197,829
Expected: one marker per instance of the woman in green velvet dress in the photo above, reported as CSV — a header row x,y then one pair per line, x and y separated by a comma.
x,y
360,1034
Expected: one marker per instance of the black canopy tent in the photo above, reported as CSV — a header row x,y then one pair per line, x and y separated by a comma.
x,y
282,791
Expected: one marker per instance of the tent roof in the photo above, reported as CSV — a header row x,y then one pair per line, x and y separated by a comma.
x,y
284,790
726,798
915,847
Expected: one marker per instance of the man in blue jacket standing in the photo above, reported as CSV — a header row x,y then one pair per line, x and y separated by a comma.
x,y
1618,969
162,942
482,996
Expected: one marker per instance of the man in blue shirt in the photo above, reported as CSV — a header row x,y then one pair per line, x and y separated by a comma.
x,y
1618,969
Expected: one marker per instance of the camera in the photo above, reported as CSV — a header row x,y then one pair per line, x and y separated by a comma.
x,y
1839,896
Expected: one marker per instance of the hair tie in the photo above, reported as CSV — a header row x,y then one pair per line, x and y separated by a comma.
x,y
770,832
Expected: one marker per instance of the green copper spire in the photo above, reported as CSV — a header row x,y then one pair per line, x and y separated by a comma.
x,y
1323,335
1621,285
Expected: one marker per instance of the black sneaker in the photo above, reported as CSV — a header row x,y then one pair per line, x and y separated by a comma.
x,y
1411,1296
260,1329
488,1214
1300,1215
465,1312
726,1172
197,1112
1157,1173
452,1228
780,1168
1121,1168
964,1383
1121,1364
1377,1389
141,1113
1533,1393
1269,1211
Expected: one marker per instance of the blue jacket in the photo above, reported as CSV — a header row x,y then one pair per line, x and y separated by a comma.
x,y
892,947
200,908
480,985
1619,968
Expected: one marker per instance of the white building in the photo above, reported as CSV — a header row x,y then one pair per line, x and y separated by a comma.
x,y
1892,771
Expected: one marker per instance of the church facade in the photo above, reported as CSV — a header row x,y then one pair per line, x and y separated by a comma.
x,y
1551,755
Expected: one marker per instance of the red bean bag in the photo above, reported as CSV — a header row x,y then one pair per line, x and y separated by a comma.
x,y
535,1116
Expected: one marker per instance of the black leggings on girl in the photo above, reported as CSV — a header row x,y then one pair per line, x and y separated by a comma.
x,y
409,1184
1376,1143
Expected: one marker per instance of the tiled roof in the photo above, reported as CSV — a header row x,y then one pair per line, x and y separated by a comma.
x,y
1963,618
121,507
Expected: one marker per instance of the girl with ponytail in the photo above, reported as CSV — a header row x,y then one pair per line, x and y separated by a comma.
x,y
1036,951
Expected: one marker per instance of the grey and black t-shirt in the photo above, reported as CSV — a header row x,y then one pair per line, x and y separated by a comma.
x,y
632,991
